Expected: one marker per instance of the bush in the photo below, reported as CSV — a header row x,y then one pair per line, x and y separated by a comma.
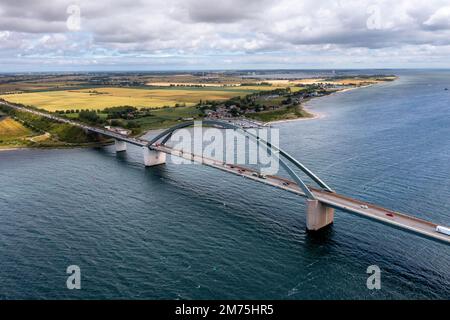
x,y
89,116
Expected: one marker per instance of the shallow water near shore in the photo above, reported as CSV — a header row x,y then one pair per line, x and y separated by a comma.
x,y
192,232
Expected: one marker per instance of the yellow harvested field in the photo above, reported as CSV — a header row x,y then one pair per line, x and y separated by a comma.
x,y
189,84
279,83
288,83
101,98
260,88
11,129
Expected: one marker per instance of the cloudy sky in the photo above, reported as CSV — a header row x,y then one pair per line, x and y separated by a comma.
x,y
227,34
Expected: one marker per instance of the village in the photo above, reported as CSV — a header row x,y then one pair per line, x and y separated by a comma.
x,y
257,104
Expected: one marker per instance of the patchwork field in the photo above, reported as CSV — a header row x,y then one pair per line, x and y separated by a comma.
x,y
100,98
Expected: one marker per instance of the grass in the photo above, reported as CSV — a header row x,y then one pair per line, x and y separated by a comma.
x,y
100,98
75,115
13,133
285,113
12,130
38,131
159,118
167,117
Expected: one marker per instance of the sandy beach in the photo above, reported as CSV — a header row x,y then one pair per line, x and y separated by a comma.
x,y
13,149
315,116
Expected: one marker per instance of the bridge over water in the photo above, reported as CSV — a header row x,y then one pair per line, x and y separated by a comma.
x,y
321,199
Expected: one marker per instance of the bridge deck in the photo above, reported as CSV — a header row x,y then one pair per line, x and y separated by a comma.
x,y
360,208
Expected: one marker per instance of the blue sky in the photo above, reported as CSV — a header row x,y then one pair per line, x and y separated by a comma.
x,y
82,35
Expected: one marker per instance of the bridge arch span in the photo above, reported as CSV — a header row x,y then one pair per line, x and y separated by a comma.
x,y
287,161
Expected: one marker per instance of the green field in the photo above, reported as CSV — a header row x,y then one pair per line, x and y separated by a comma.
x,y
164,118
158,118
284,113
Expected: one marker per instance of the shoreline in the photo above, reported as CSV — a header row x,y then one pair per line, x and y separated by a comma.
x,y
317,115
14,149
55,147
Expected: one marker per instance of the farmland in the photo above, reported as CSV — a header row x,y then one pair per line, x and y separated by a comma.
x,y
100,98
97,91
23,129
143,101
11,129
12,133
166,117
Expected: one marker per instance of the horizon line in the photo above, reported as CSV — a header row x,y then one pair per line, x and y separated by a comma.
x,y
221,70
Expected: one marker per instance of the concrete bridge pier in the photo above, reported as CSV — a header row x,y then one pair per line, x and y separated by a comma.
x,y
318,215
152,157
120,145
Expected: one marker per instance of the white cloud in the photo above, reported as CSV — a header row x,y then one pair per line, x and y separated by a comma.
x,y
238,33
440,19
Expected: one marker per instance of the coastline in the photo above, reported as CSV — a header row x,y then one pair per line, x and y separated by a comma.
x,y
317,115
80,146
13,149
314,116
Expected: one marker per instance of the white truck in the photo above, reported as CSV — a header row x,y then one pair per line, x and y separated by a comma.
x,y
443,230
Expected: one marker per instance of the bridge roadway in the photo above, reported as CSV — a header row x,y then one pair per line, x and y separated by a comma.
x,y
395,219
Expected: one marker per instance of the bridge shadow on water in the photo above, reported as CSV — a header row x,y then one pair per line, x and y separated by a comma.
x,y
321,237
127,157
122,157
158,173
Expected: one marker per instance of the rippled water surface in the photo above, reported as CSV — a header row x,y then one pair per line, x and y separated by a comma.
x,y
192,232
